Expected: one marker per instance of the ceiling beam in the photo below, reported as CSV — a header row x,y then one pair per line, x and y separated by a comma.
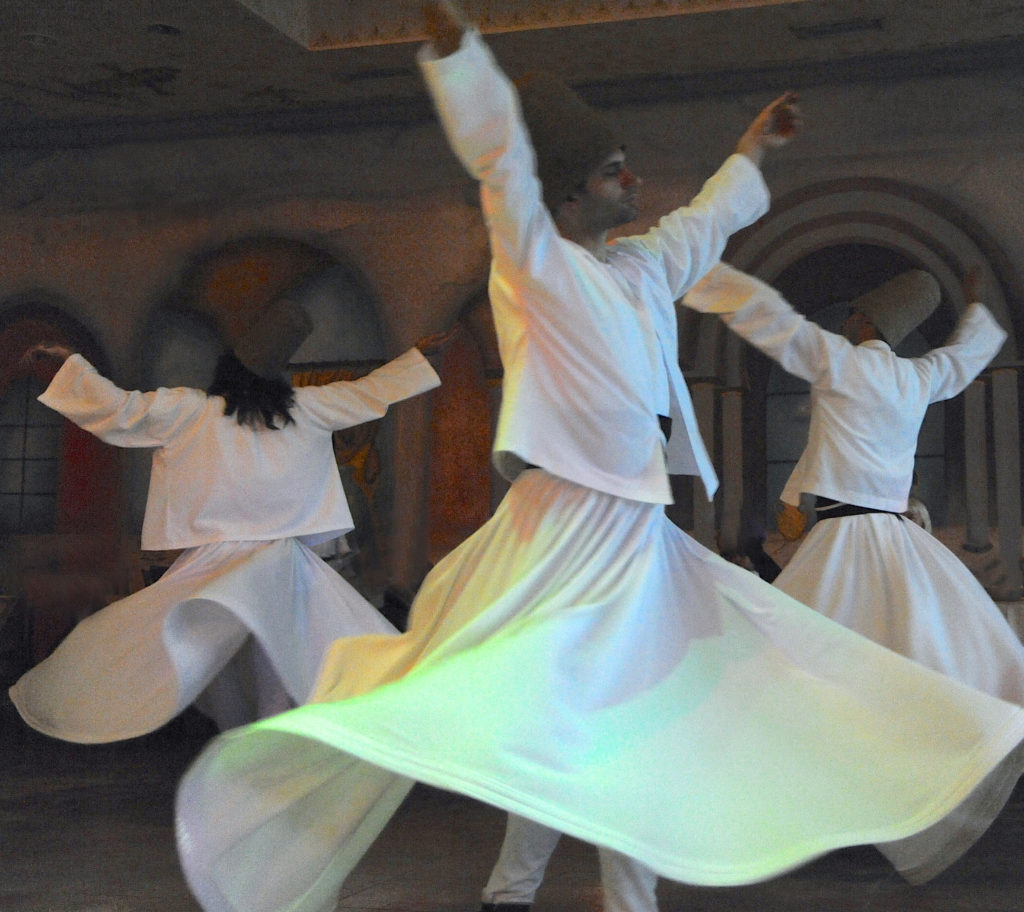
x,y
885,69
321,25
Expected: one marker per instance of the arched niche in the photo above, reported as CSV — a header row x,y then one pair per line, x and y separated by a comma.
x,y
223,289
218,296
463,487
916,224
822,245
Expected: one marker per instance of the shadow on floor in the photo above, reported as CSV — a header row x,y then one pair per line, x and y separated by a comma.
x,y
89,829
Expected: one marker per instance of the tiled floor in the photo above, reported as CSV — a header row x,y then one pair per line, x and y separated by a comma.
x,y
88,829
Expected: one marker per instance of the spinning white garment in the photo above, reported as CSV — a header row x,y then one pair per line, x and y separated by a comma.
x,y
133,666
890,580
244,502
584,663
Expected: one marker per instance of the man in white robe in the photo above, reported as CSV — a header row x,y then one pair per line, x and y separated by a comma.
x,y
580,661
864,564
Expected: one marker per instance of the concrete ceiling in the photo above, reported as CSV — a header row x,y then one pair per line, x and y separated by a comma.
x,y
92,72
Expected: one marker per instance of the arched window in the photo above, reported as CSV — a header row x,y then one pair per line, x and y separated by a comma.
x,y
59,487
33,439
29,460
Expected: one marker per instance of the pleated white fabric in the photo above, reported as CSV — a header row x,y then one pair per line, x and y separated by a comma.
x,y
893,582
890,580
133,666
582,662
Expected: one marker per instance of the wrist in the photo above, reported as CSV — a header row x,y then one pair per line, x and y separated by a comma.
x,y
754,151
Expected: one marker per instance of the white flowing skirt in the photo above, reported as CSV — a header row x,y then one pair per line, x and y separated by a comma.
x,y
893,582
133,666
582,662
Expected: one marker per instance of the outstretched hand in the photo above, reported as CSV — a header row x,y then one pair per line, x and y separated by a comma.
x,y
44,351
433,346
445,23
972,284
775,126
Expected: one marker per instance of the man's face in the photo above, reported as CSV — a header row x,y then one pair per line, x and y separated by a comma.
x,y
610,196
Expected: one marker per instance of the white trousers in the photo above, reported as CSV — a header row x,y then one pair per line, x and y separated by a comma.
x,y
628,885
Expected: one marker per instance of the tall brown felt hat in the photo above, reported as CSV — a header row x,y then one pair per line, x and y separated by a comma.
x,y
570,139
900,305
269,343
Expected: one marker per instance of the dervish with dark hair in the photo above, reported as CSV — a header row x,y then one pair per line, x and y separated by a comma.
x,y
244,481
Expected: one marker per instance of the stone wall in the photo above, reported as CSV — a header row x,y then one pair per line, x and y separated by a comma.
x,y
110,232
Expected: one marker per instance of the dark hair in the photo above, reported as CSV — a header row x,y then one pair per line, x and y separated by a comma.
x,y
254,400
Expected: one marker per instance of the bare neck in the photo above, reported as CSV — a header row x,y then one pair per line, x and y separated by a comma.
x,y
595,243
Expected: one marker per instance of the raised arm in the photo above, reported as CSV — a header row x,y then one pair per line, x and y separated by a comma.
x,y
760,315
126,418
346,403
690,240
975,341
478,108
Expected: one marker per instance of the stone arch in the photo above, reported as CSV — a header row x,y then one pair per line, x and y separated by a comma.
x,y
223,287
916,224
218,294
894,225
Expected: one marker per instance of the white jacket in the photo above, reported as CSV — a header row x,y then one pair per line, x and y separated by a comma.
x,y
867,403
589,348
215,480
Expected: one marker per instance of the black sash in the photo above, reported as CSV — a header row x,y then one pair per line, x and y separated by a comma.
x,y
666,426
827,508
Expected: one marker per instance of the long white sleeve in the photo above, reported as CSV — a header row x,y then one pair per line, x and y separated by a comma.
x,y
349,402
972,345
119,417
759,314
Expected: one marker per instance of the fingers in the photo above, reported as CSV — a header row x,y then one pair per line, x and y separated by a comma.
x,y
444,23
437,342
775,126
433,18
34,353
972,283
31,358
43,351
454,12
789,97
783,119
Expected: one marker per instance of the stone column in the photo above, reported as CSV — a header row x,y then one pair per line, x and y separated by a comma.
x,y
703,394
499,487
408,535
1006,436
976,469
732,468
